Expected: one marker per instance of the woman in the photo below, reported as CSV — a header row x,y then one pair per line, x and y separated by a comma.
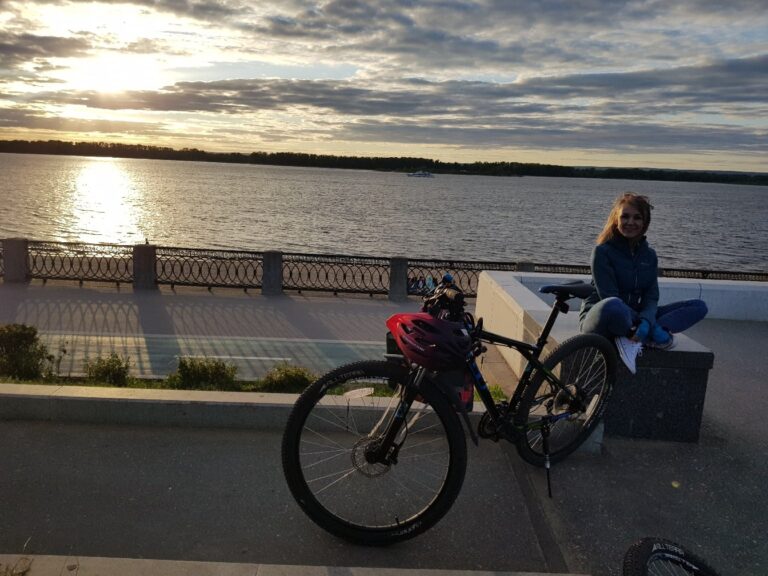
x,y
624,305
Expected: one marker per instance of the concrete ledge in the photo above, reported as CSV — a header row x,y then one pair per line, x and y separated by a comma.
x,y
664,400
145,407
726,299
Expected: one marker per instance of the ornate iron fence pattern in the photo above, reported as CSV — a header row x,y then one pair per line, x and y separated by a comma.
x,y
560,269
319,272
79,261
714,275
312,272
212,268
424,274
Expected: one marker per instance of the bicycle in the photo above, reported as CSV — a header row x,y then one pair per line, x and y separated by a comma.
x,y
660,557
375,451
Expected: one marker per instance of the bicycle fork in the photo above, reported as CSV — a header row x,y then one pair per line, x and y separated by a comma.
x,y
385,451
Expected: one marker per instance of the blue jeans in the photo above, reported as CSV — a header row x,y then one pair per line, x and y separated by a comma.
x,y
611,317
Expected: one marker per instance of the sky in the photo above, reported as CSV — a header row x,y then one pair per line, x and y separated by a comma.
x,y
649,83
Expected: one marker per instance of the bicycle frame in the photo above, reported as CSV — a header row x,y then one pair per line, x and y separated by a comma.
x,y
387,450
532,353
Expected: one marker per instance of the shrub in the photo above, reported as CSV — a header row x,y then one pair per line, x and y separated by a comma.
x,y
203,374
112,370
286,378
22,355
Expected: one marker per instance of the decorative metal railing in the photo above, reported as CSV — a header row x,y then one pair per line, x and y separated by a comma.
x,y
353,274
213,268
79,261
149,265
423,274
713,275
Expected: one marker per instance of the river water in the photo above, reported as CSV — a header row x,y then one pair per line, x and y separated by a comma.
x,y
356,212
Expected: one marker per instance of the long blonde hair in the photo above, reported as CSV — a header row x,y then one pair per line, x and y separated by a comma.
x,y
638,202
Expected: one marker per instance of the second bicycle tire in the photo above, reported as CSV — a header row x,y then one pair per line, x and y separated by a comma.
x,y
660,557
586,365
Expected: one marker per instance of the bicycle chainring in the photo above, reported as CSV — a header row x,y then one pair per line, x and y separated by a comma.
x,y
489,429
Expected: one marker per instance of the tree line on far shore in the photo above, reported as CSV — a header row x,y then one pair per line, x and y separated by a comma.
x,y
389,164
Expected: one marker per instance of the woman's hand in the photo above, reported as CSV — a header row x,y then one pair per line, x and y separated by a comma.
x,y
642,331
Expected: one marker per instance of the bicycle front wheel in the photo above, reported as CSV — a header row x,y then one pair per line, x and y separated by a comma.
x,y
585,366
660,557
331,432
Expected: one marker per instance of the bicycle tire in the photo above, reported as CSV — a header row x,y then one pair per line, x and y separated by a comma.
x,y
374,504
586,365
660,557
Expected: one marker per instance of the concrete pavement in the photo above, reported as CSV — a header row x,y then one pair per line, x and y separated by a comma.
x,y
153,328
60,480
80,566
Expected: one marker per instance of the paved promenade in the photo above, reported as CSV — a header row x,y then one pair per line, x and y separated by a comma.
x,y
87,491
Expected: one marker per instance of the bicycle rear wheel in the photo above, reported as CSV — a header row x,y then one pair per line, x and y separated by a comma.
x,y
660,557
327,445
585,365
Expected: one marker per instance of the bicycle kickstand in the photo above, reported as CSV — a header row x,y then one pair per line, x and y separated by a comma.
x,y
545,446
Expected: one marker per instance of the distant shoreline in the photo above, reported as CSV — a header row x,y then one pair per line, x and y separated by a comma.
x,y
384,164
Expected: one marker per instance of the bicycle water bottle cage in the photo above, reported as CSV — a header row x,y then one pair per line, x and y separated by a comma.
x,y
568,290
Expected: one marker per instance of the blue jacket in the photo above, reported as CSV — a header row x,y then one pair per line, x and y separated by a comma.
x,y
633,278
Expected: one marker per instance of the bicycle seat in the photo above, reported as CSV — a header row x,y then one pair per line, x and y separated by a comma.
x,y
568,290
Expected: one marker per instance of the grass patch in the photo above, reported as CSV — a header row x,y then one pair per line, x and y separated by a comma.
x,y
496,392
285,378
204,374
113,370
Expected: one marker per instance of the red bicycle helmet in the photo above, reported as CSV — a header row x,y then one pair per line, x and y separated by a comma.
x,y
430,342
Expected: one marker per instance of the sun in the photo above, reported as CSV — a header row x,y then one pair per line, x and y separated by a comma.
x,y
115,73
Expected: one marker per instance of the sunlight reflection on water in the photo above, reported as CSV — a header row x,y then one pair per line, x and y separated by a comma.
x,y
103,203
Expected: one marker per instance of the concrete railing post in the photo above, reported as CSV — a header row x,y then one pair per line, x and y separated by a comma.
x,y
398,278
272,273
16,260
144,266
524,266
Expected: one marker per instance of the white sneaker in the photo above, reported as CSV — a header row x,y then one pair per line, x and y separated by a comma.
x,y
668,345
629,350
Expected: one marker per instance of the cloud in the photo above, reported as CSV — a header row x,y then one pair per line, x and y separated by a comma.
x,y
553,134
207,10
440,38
633,111
484,74
733,83
20,48
35,120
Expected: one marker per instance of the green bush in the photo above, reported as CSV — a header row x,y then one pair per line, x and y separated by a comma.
x,y
22,355
112,370
286,378
203,374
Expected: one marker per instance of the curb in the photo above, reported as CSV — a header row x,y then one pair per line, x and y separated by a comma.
x,y
30,565
252,410
190,408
